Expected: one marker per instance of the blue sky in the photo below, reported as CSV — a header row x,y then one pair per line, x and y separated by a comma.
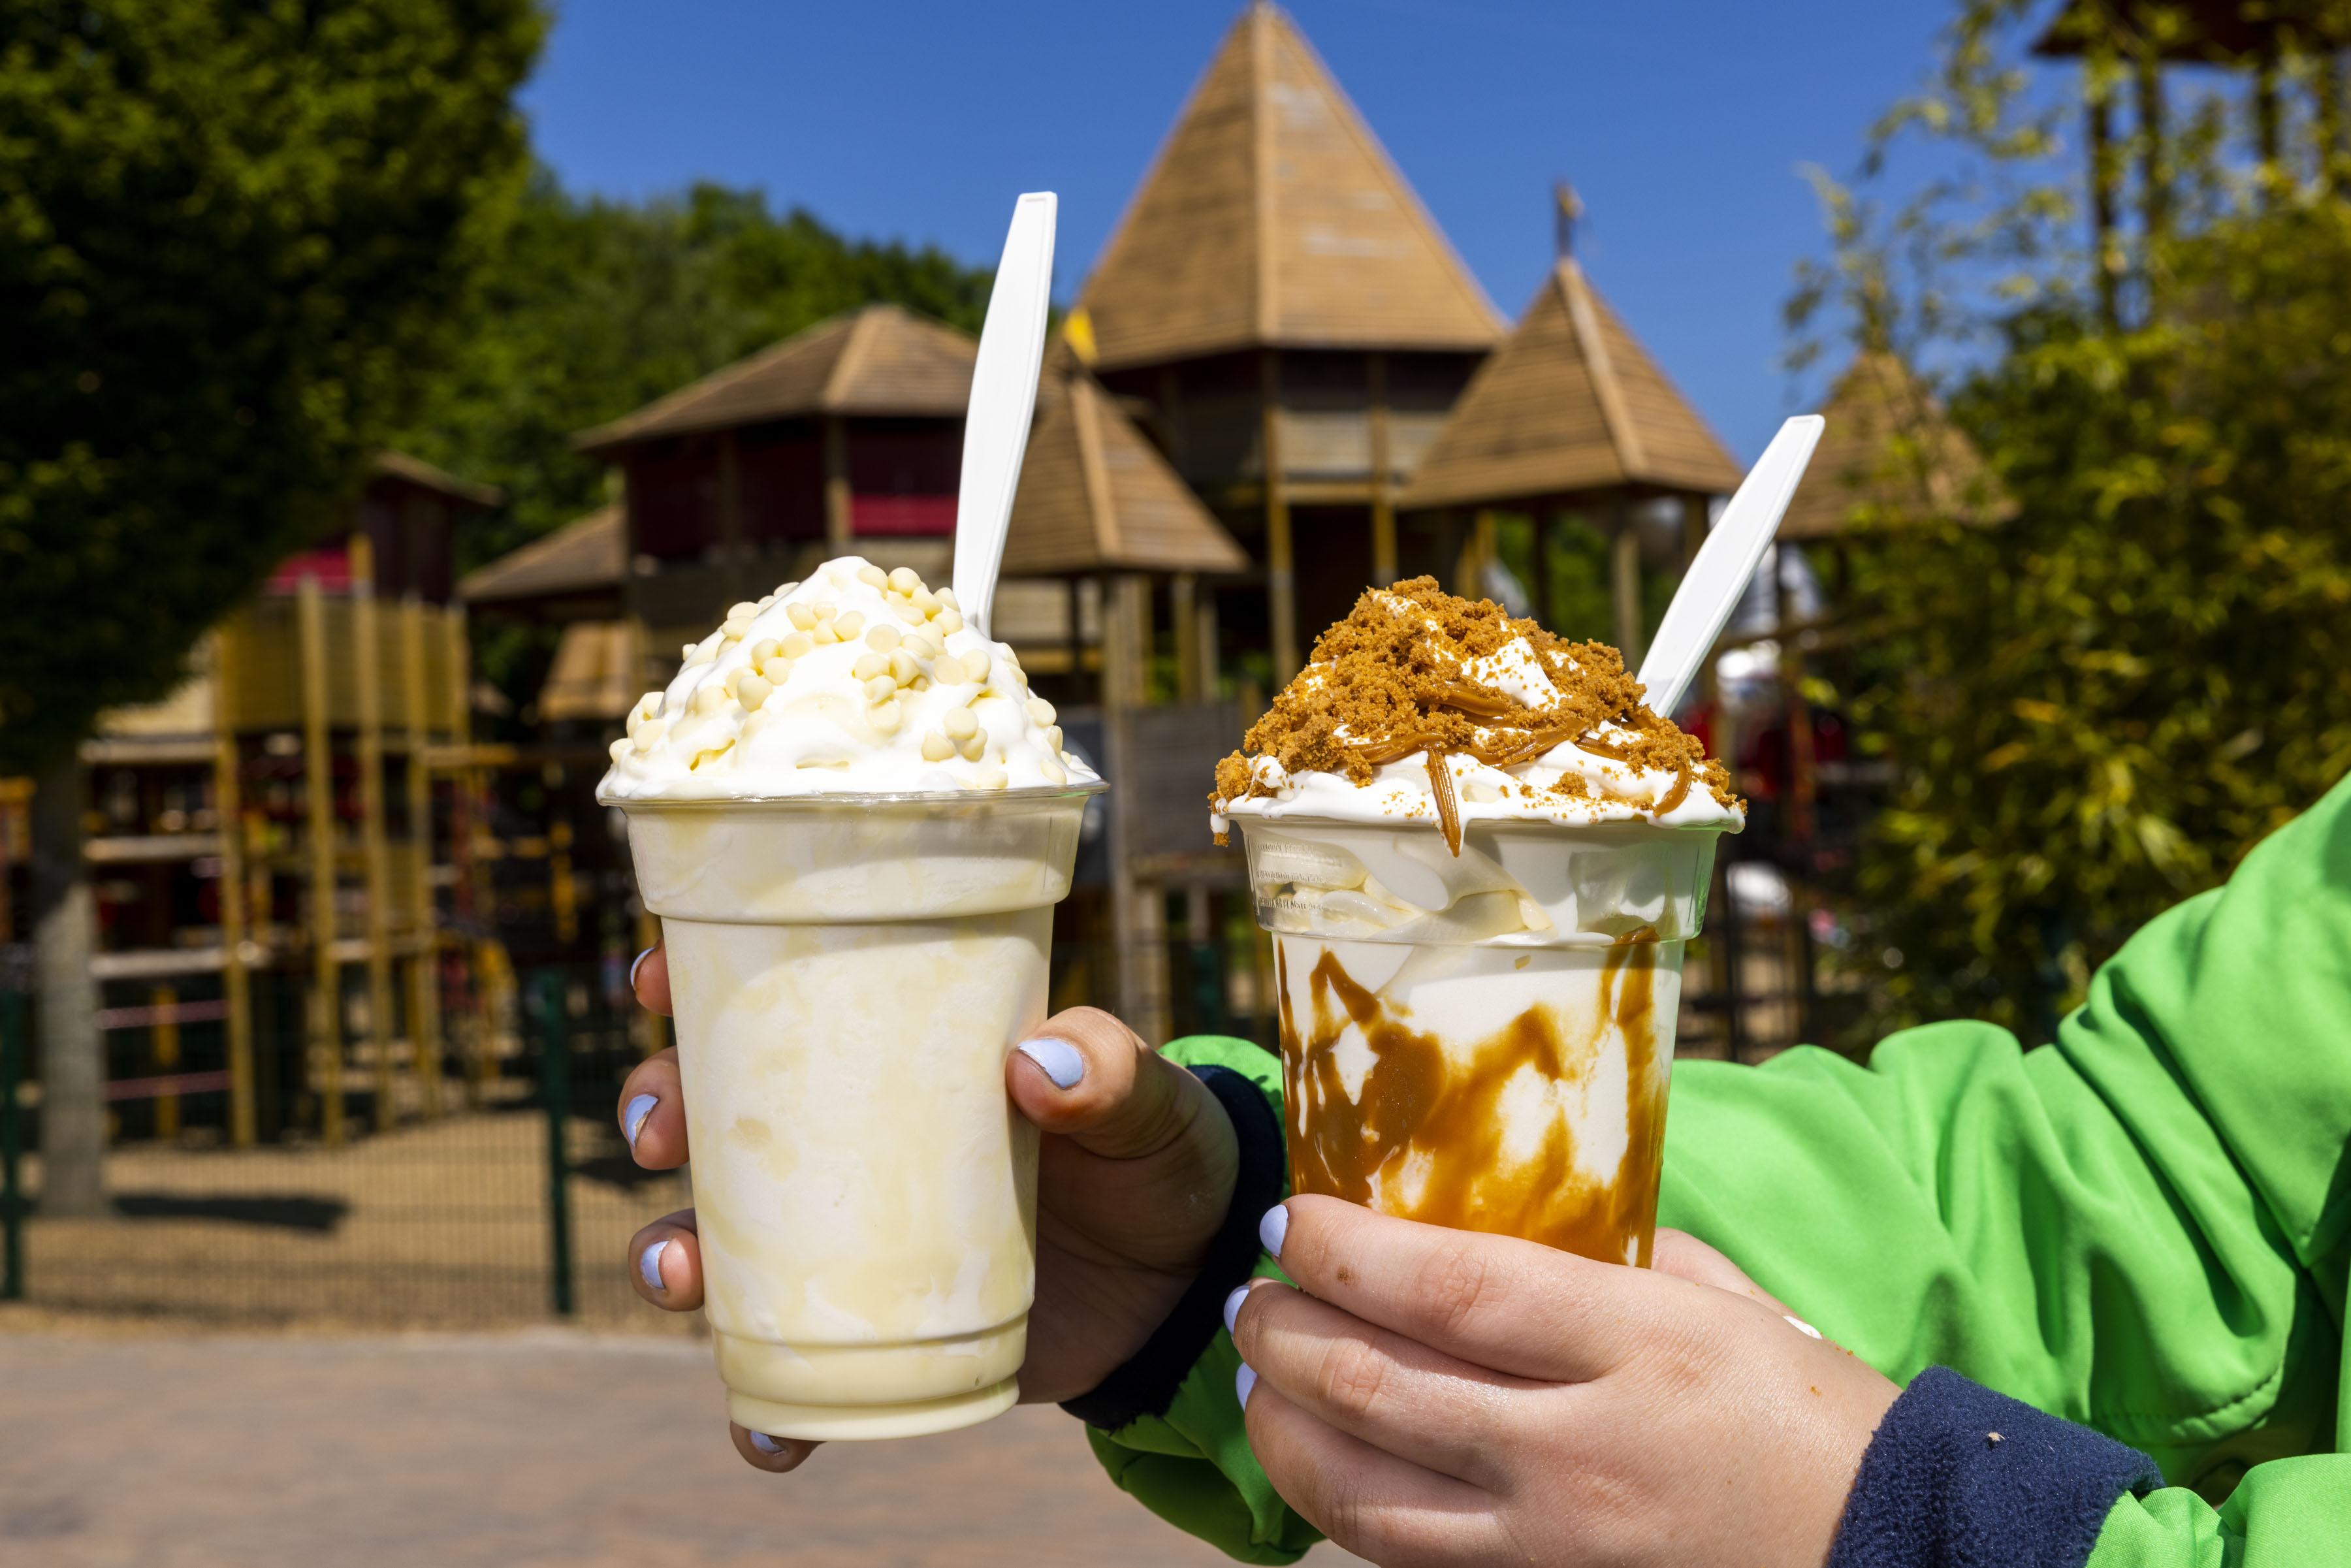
x,y
1682,122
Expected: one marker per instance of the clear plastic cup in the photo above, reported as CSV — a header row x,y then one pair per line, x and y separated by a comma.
x,y
1484,1042
848,975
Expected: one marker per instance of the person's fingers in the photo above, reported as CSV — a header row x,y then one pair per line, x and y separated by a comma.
x,y
775,1455
1371,1502
1088,1076
1518,1307
649,978
664,1262
653,1112
1402,1397
1683,1257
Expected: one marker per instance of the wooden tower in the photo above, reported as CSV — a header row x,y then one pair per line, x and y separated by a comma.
x,y
1291,327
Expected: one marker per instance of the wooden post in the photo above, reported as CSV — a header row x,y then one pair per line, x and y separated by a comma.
x,y
1138,935
165,1038
1182,594
318,801
839,527
1625,583
1280,569
1204,647
375,859
1543,587
424,960
228,807
1694,530
1384,534
562,888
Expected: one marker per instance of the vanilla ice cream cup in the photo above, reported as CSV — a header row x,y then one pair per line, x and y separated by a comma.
x,y
1483,1040
849,974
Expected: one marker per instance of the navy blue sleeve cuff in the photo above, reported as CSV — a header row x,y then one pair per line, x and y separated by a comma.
x,y
1960,1475
1146,1384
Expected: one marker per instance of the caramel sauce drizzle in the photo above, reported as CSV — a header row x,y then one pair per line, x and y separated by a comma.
x,y
1422,1109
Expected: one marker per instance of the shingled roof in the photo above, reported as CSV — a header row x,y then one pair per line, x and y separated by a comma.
x,y
1095,495
877,360
1890,457
589,552
1570,403
1272,218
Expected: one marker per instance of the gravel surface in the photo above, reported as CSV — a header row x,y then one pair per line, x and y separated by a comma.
x,y
544,1446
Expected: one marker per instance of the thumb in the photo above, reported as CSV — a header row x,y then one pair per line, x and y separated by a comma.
x,y
1685,1256
1088,1077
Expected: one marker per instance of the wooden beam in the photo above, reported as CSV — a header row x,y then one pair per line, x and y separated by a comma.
x,y
318,803
423,968
838,525
1183,596
228,805
1624,584
375,860
1384,534
1280,568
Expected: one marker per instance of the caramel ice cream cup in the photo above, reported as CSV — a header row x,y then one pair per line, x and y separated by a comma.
x,y
1483,1040
849,974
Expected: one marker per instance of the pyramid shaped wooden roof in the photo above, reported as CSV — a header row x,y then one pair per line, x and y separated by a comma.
x,y
879,360
1570,403
1095,495
1890,457
1273,218
587,553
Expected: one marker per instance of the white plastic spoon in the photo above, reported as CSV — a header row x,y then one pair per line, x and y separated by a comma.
x,y
1711,587
1003,401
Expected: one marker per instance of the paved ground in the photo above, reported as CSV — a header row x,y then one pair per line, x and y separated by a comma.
x,y
542,1448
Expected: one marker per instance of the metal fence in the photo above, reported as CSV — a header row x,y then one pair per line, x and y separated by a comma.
x,y
513,1202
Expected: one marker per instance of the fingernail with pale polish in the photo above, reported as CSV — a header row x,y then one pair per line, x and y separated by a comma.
x,y
633,1120
1243,1381
1274,1229
649,1267
1062,1061
1233,1306
766,1444
638,964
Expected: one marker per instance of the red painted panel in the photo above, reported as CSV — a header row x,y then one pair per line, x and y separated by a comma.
x,y
329,564
902,515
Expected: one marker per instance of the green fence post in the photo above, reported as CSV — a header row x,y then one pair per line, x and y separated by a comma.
x,y
554,1089
12,1146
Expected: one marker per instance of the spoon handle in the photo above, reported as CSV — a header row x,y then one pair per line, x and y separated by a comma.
x,y
1711,587
1003,401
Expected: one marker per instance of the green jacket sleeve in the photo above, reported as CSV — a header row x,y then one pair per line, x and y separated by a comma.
x,y
1192,1467
2140,1227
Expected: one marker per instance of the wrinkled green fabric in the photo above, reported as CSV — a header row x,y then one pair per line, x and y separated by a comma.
x,y
2142,1226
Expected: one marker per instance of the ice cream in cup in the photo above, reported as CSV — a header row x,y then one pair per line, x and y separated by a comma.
x,y
854,822
1479,857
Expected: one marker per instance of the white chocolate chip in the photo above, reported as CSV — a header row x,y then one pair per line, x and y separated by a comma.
x,y
798,645
936,747
976,665
710,698
801,616
906,612
765,649
619,749
784,588
947,597
743,611
872,576
975,747
650,733
824,633
827,612
869,665
959,723
926,602
947,670
1051,770
906,580
776,671
949,621
881,689
883,637
1053,737
752,690
848,626
1484,791
925,646
988,776
886,716
902,667
1040,710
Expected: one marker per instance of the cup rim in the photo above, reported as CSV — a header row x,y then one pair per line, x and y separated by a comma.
x,y
1039,795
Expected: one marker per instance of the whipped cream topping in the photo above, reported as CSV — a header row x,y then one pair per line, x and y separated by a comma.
x,y
1421,707
856,681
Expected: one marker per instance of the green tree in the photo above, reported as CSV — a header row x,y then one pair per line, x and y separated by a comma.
x,y
2097,707
593,307
230,236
